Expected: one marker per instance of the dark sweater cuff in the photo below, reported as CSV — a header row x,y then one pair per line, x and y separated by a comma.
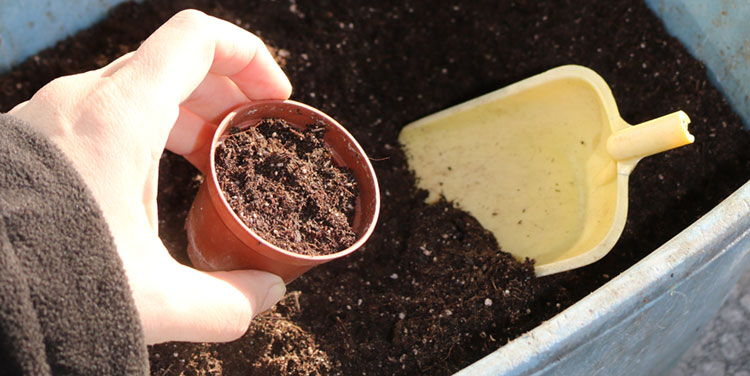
x,y
65,303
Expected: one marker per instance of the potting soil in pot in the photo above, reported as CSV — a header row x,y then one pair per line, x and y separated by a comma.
x,y
284,185
430,292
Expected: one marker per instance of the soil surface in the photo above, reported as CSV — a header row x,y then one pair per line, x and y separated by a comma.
x,y
430,293
284,185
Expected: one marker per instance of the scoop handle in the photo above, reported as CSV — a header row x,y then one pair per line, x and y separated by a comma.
x,y
649,138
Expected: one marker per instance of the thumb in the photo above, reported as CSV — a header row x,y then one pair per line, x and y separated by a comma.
x,y
210,307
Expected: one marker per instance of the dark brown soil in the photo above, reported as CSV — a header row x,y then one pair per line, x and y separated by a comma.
x,y
284,185
430,293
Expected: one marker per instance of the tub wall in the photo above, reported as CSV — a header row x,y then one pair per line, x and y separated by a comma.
x,y
718,33
28,26
643,321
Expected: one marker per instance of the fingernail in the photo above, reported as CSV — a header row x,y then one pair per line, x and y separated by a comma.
x,y
275,293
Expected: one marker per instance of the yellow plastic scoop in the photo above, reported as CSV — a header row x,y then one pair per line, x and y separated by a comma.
x,y
543,163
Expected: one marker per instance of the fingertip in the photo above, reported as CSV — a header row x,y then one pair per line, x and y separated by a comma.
x,y
286,88
262,289
275,293
263,78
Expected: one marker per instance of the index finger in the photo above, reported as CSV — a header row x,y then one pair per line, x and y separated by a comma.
x,y
177,57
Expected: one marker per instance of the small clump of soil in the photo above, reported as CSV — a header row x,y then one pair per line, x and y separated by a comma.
x,y
284,185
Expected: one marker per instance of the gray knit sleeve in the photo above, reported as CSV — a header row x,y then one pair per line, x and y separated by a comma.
x,y
65,303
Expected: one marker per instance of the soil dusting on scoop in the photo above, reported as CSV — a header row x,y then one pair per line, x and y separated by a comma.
x,y
284,185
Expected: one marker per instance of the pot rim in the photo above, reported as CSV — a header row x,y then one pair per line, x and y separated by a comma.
x,y
220,200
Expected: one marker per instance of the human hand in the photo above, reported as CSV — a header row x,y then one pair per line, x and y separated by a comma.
x,y
114,123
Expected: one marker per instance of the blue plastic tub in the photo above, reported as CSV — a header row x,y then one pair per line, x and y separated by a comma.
x,y
639,323
31,25
643,321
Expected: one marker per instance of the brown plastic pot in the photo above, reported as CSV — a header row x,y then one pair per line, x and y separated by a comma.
x,y
219,240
